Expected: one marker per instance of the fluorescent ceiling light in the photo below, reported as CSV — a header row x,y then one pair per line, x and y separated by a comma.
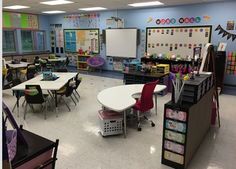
x,y
92,9
16,7
53,12
56,2
141,4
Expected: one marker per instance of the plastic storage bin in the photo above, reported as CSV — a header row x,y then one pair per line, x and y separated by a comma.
x,y
110,122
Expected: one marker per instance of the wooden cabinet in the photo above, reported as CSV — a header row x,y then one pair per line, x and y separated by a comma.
x,y
82,62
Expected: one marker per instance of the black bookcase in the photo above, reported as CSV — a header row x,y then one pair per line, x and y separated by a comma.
x,y
220,61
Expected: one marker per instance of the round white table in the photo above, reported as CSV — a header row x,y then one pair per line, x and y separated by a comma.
x,y
120,98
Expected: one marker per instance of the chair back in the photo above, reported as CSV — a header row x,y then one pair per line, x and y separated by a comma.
x,y
67,61
69,87
146,100
23,60
34,94
77,81
19,93
31,71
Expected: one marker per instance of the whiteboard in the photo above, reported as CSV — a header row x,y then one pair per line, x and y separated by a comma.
x,y
121,42
177,40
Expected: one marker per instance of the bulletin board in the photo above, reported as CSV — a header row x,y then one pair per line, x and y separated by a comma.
x,y
86,39
20,20
177,40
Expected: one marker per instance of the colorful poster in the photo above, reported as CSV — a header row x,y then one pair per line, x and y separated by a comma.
x,y
20,20
85,39
230,25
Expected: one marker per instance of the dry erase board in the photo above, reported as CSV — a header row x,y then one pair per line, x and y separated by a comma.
x,y
20,20
121,42
177,40
85,39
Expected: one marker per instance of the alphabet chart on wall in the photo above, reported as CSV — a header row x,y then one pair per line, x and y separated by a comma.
x,y
176,40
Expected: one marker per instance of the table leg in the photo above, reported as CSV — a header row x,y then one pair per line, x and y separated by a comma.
x,y
17,102
124,123
56,104
155,103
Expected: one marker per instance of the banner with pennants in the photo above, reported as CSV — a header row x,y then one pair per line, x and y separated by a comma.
x,y
225,33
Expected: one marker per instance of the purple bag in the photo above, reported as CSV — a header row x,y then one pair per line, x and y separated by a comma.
x,y
11,138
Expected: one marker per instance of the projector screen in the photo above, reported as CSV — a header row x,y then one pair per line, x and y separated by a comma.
x,y
121,42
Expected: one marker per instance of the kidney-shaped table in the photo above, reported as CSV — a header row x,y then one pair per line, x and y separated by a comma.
x,y
120,98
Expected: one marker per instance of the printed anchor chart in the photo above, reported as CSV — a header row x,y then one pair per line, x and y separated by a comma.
x,y
178,41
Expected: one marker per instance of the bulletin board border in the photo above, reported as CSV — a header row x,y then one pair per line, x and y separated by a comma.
x,y
82,29
173,27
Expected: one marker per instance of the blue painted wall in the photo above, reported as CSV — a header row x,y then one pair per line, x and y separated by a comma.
x,y
220,13
43,25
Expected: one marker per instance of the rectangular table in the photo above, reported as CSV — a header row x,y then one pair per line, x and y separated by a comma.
x,y
46,85
17,66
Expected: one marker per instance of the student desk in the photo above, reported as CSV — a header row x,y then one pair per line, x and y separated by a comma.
x,y
57,60
39,152
17,66
46,85
119,98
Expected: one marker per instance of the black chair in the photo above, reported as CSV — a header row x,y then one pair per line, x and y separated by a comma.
x,y
34,95
31,72
7,82
77,83
67,91
23,60
18,94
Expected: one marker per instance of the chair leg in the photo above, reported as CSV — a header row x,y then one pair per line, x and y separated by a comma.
x,y
45,112
65,103
139,124
14,107
152,123
25,110
76,97
77,93
31,106
73,100
23,103
50,94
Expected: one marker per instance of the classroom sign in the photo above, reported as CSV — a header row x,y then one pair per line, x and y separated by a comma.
x,y
20,20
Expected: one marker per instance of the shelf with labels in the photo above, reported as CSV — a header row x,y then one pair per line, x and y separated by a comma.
x,y
182,133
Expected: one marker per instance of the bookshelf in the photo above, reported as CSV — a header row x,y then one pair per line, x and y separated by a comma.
x,y
82,62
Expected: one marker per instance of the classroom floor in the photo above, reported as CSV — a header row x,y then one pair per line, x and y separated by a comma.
x,y
82,147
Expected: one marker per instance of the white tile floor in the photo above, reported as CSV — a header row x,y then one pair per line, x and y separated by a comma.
x,y
82,147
